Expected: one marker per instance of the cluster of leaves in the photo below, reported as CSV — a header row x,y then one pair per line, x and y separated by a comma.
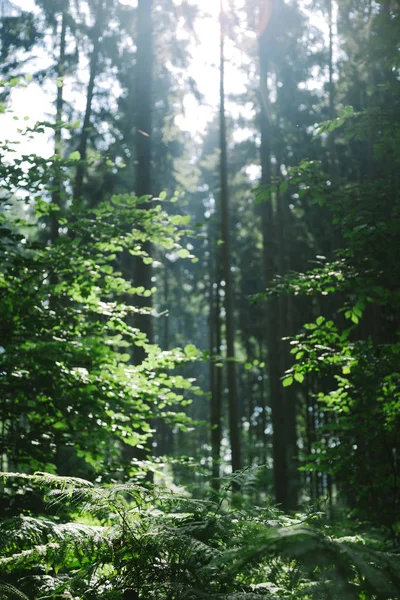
x,y
132,542
70,393
348,356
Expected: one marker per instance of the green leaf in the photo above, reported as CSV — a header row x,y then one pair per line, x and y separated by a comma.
x,y
76,155
191,350
183,253
299,377
287,381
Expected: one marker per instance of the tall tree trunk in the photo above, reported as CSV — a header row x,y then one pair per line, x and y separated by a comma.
x,y
234,430
285,321
269,259
56,197
215,371
166,300
263,423
84,137
144,100
331,91
134,268
331,84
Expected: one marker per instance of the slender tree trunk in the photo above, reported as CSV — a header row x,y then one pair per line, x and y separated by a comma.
x,y
249,412
269,257
94,61
215,373
166,300
56,197
331,90
133,267
263,405
331,84
144,99
310,434
285,324
234,430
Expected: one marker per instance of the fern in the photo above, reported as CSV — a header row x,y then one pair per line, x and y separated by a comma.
x,y
9,592
156,545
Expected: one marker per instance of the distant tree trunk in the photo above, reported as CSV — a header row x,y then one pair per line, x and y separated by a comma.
x,y
285,322
263,405
163,430
334,172
310,432
278,414
248,412
166,300
84,137
215,372
234,430
331,91
144,99
331,84
56,197
134,268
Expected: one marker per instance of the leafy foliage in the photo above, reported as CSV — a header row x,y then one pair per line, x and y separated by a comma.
x,y
74,401
347,356
157,544
69,390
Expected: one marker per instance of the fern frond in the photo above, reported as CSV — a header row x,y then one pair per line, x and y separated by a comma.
x,y
29,541
169,546
9,592
48,480
348,567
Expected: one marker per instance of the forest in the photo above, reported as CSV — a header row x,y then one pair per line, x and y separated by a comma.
x,y
200,299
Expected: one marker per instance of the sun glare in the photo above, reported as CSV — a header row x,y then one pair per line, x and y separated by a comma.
x,y
203,69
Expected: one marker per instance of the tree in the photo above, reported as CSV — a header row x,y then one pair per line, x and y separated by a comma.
x,y
18,33
67,389
351,354
58,183
96,33
144,132
234,427
281,406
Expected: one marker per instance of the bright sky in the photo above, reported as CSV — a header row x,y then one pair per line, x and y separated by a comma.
x,y
33,102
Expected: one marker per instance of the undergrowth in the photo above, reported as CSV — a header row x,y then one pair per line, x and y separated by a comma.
x,y
128,542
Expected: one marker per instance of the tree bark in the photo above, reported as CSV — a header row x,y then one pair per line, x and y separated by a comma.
x,y
144,99
215,372
234,431
56,197
285,322
333,164
84,137
269,259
